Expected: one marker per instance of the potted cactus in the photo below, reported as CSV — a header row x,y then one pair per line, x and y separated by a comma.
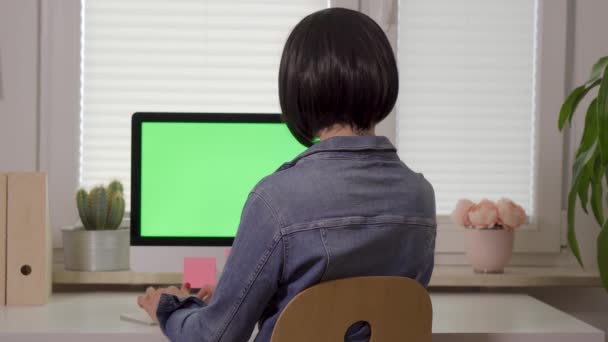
x,y
99,243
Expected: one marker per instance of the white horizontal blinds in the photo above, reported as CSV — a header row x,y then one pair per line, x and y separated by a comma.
x,y
178,55
466,101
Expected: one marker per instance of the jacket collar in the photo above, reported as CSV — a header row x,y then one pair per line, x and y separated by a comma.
x,y
345,144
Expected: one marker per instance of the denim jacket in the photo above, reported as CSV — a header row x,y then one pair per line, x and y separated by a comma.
x,y
345,207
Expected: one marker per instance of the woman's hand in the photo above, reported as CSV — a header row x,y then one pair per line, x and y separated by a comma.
x,y
149,301
206,293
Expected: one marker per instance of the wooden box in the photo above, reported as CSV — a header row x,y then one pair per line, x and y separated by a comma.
x,y
27,245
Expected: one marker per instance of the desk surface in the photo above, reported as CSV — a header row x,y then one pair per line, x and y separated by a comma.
x,y
457,317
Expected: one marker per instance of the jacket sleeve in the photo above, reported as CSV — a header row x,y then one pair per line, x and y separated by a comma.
x,y
248,282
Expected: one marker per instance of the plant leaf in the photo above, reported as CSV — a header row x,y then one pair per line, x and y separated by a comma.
x,y
590,130
602,117
597,70
588,138
579,164
597,190
569,106
596,202
602,254
572,241
583,187
583,158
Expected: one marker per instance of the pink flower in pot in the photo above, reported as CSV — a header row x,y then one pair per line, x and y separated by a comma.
x,y
483,215
510,215
460,215
489,250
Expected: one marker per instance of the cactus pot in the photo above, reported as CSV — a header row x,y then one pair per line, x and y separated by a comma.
x,y
96,250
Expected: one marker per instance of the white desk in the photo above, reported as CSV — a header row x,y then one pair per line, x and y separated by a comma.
x,y
94,317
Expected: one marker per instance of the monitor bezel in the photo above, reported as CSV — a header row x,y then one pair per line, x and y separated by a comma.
x,y
136,124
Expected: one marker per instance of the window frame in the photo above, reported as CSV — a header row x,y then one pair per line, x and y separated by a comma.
x,y
544,234
59,147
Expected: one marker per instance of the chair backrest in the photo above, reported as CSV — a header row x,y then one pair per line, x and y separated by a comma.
x,y
396,308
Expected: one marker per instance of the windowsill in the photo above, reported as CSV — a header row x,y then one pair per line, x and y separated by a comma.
x,y
443,276
517,276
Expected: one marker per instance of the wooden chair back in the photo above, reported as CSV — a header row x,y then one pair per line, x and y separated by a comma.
x,y
396,308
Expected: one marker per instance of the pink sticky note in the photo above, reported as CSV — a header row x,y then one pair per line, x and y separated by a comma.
x,y
227,252
199,271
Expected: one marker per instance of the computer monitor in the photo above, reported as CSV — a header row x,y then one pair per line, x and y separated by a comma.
x,y
191,174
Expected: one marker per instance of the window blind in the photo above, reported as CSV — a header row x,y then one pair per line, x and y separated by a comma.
x,y
466,105
175,56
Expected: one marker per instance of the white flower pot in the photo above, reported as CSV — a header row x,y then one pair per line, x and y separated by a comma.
x,y
489,250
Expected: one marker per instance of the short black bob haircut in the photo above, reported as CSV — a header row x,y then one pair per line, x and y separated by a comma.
x,y
337,67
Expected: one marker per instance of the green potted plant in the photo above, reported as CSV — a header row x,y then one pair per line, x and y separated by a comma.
x,y
590,167
100,243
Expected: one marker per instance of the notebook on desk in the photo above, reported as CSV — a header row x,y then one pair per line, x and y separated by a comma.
x,y
138,317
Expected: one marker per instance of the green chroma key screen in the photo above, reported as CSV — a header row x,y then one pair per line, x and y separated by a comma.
x,y
196,176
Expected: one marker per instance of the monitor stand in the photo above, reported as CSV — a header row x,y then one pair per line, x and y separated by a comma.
x,y
155,259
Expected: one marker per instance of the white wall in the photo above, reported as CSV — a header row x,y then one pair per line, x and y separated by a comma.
x,y
60,107
18,85
33,122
